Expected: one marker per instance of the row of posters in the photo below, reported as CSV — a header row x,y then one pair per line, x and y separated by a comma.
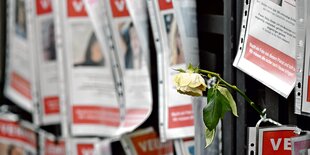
x,y
85,64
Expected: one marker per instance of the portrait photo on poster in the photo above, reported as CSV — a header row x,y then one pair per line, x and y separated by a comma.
x,y
48,40
87,50
20,19
133,52
278,2
11,149
175,44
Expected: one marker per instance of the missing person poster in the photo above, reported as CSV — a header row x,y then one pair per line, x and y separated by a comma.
x,y
145,142
276,140
20,84
176,112
267,44
16,139
185,146
50,145
93,108
304,106
103,147
301,145
83,146
132,57
47,62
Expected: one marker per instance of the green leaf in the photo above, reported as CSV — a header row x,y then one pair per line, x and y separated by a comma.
x,y
180,70
216,108
209,136
225,92
190,67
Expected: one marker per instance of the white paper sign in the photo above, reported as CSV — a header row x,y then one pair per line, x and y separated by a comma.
x,y
93,107
20,84
267,44
176,115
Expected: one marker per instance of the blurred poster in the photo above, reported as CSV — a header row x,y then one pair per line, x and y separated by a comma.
x,y
103,147
16,139
268,44
50,145
301,145
47,63
304,74
132,58
185,146
145,142
93,108
83,146
276,140
176,112
20,84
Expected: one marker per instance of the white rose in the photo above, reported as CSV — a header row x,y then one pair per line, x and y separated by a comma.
x,y
190,83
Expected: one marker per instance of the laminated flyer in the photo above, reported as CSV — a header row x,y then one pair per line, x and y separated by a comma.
x,y
276,140
176,118
145,142
103,147
20,84
47,62
132,57
92,107
50,145
302,101
268,44
16,137
301,145
184,146
83,146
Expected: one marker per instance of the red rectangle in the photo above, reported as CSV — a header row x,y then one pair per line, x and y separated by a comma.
x,y
44,6
135,116
165,4
54,148
271,60
96,115
76,8
51,105
13,131
308,92
149,144
119,8
85,149
21,85
277,142
180,116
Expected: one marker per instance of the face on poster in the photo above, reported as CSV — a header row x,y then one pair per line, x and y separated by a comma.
x,y
131,46
20,19
87,49
13,149
48,40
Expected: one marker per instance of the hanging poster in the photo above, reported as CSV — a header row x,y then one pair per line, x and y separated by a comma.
x,y
16,137
93,108
20,84
50,145
301,145
131,55
83,146
145,142
176,118
46,58
103,147
302,97
268,44
185,146
276,141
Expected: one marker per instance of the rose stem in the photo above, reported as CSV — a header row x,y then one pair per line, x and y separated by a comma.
x,y
253,105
